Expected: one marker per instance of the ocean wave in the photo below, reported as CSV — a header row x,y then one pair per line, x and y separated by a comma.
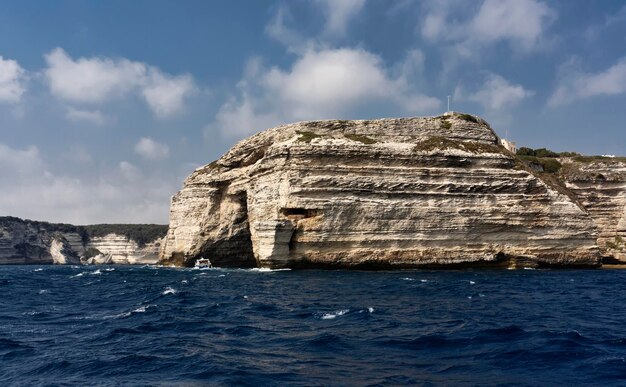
x,y
335,314
169,290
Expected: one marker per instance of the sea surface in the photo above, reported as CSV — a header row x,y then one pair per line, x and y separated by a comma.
x,y
116,325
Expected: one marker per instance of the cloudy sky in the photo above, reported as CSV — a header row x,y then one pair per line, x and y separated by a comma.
x,y
105,106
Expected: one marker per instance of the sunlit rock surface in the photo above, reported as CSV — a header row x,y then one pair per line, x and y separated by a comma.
x,y
390,193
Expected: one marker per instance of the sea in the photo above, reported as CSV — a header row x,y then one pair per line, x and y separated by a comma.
x,y
130,325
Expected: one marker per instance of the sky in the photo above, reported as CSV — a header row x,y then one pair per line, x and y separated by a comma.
x,y
106,106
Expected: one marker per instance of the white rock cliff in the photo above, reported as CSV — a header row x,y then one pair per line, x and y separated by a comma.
x,y
390,193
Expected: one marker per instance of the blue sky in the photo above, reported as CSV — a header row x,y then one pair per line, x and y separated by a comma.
x,y
105,107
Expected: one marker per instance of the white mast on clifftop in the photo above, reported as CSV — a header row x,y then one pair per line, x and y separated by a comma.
x,y
448,103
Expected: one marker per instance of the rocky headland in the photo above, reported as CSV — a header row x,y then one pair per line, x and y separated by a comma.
x,y
32,242
396,193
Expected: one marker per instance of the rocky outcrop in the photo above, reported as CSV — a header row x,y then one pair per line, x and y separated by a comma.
x,y
119,249
31,242
391,193
599,184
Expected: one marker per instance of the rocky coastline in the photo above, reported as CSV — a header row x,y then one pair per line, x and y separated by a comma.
x,y
33,242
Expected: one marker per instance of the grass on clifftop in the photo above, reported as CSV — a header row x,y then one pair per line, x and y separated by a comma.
x,y
306,136
548,164
364,139
437,142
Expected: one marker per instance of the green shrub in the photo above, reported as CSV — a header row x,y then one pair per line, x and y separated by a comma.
x,y
543,152
364,139
569,154
524,151
307,136
445,124
549,165
468,117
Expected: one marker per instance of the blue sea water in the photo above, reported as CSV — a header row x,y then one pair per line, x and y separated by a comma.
x,y
62,325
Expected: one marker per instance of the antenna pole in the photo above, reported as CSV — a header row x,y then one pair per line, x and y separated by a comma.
x,y
448,103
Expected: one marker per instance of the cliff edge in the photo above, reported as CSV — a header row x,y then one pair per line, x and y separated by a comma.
x,y
389,193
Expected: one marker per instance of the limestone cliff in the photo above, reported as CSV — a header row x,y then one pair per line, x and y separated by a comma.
x,y
408,192
31,242
599,183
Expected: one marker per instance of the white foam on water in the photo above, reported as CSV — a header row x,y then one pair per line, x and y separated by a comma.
x,y
423,280
43,291
184,282
407,279
245,297
370,309
222,275
472,283
529,268
268,270
79,274
141,309
38,269
97,272
110,269
169,290
330,316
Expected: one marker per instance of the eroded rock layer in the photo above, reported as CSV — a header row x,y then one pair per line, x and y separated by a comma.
x,y
600,186
407,192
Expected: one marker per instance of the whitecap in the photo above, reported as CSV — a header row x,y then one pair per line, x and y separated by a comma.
x,y
169,290
407,279
423,280
141,309
370,309
184,282
330,316
38,269
110,269
472,283
79,274
97,272
268,270
43,291
222,275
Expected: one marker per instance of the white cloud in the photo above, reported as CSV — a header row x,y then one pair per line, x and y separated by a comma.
x,y
91,80
338,15
152,150
129,171
91,116
576,85
12,78
328,83
166,94
121,195
495,94
521,23
97,80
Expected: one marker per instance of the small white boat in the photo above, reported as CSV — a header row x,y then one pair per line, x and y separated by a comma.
x,y
203,263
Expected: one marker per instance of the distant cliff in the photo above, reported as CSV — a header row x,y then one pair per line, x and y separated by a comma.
x,y
390,193
32,242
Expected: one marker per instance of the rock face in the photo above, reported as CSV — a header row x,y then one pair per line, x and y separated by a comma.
x,y
29,242
118,249
389,193
600,186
